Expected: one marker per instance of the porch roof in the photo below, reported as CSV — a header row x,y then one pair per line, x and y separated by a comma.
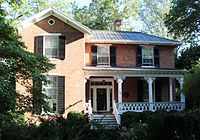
x,y
133,71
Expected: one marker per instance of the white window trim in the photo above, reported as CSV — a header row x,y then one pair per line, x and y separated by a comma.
x,y
152,47
51,75
103,45
44,37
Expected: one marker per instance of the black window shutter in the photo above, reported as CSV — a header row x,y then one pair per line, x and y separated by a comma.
x,y
158,90
112,55
39,44
139,55
94,55
61,94
156,57
140,90
62,47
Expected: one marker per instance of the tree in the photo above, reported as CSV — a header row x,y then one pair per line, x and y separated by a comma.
x,y
188,58
152,14
191,87
23,66
19,10
101,14
183,19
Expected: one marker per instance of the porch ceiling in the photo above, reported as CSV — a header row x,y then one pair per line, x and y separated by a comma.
x,y
133,72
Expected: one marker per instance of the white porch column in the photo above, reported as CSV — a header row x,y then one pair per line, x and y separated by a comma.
x,y
181,80
119,81
170,89
150,82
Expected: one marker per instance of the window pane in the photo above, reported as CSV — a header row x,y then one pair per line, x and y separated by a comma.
x,y
147,56
103,55
51,91
51,46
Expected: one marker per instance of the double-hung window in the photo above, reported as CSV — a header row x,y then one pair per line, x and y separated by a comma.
x,y
103,56
51,90
147,56
51,43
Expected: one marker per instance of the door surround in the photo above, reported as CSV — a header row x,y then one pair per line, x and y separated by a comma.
x,y
94,89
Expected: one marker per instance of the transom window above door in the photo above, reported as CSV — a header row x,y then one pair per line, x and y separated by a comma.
x,y
103,55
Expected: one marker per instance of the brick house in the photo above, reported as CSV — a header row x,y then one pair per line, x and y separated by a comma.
x,y
103,71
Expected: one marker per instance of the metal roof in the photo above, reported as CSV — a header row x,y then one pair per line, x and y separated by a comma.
x,y
103,36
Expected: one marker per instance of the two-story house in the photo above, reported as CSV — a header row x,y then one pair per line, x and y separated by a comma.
x,y
103,71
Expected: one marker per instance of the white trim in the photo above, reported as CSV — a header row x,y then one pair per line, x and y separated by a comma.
x,y
134,42
50,34
107,87
51,74
44,45
51,11
103,65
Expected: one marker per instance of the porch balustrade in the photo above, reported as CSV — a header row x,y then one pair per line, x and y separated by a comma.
x,y
142,106
88,110
116,112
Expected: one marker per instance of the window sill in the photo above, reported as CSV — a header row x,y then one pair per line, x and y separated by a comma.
x,y
148,67
54,59
103,66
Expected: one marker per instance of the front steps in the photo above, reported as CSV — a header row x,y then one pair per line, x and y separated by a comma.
x,y
107,121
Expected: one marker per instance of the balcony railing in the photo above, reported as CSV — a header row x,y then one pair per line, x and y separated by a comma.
x,y
142,106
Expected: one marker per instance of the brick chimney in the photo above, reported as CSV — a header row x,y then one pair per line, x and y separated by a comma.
x,y
117,25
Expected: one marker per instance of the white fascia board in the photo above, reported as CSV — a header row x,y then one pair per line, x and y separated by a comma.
x,y
50,11
135,42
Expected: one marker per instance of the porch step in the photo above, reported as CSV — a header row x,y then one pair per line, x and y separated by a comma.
x,y
107,121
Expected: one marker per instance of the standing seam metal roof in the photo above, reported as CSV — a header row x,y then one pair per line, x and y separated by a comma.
x,y
103,35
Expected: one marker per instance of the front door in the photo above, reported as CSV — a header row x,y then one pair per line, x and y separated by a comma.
x,y
101,99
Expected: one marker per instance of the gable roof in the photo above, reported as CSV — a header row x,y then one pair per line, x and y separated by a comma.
x,y
51,11
125,37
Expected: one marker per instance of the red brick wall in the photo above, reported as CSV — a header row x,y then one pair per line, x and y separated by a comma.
x,y
167,57
71,67
126,55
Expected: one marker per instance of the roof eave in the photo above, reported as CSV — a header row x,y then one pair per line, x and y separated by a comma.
x,y
50,11
135,42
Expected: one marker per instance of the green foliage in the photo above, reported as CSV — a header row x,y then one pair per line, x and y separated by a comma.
x,y
101,14
189,57
191,87
152,14
163,125
23,66
183,19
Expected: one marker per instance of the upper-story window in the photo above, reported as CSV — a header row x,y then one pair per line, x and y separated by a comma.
x,y
148,56
103,56
51,45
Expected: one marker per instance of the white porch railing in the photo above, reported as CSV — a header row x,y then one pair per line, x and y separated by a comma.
x,y
88,110
142,106
116,113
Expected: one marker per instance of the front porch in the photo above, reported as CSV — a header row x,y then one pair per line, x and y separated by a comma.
x,y
119,92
